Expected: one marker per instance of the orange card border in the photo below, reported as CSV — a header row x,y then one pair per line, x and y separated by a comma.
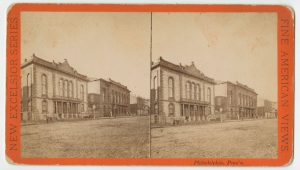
x,y
285,72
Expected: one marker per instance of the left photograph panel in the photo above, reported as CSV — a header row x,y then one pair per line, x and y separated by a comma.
x,y
85,84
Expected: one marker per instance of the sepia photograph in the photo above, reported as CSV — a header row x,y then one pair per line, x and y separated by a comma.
x,y
214,85
149,85
85,85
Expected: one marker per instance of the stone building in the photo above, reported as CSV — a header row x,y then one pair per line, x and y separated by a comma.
x,y
180,93
108,98
51,90
140,106
235,100
270,109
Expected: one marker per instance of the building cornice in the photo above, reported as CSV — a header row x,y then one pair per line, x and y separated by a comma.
x,y
181,69
54,66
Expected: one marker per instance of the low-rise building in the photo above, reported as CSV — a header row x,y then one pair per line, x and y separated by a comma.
x,y
270,109
180,93
235,100
108,98
51,90
140,106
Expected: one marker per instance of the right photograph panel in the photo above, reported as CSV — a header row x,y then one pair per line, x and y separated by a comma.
x,y
213,85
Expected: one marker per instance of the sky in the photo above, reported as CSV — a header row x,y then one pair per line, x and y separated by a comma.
x,y
99,45
224,46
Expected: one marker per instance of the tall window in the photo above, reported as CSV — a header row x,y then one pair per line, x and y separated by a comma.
x,y
81,92
192,90
28,85
155,108
60,85
112,96
171,87
240,99
188,90
199,92
155,87
44,106
208,94
44,84
71,89
118,97
104,94
82,107
65,92
230,97
155,82
171,109
196,92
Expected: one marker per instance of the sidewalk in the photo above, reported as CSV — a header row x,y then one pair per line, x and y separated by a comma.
x,y
70,120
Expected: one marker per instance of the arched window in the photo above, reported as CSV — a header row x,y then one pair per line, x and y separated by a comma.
x,y
171,109
60,85
199,92
28,85
117,97
65,91
196,92
209,94
112,96
171,87
155,87
71,89
81,92
44,106
44,85
192,91
120,96
155,82
188,90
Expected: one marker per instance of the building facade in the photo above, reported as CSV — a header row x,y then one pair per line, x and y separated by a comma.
x,y
270,109
235,100
180,93
51,90
108,98
140,107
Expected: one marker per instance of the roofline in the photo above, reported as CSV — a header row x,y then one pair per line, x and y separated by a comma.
x,y
249,89
121,85
31,61
155,65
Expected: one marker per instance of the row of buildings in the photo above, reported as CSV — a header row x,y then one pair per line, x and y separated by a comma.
x,y
184,94
178,93
51,90
267,109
